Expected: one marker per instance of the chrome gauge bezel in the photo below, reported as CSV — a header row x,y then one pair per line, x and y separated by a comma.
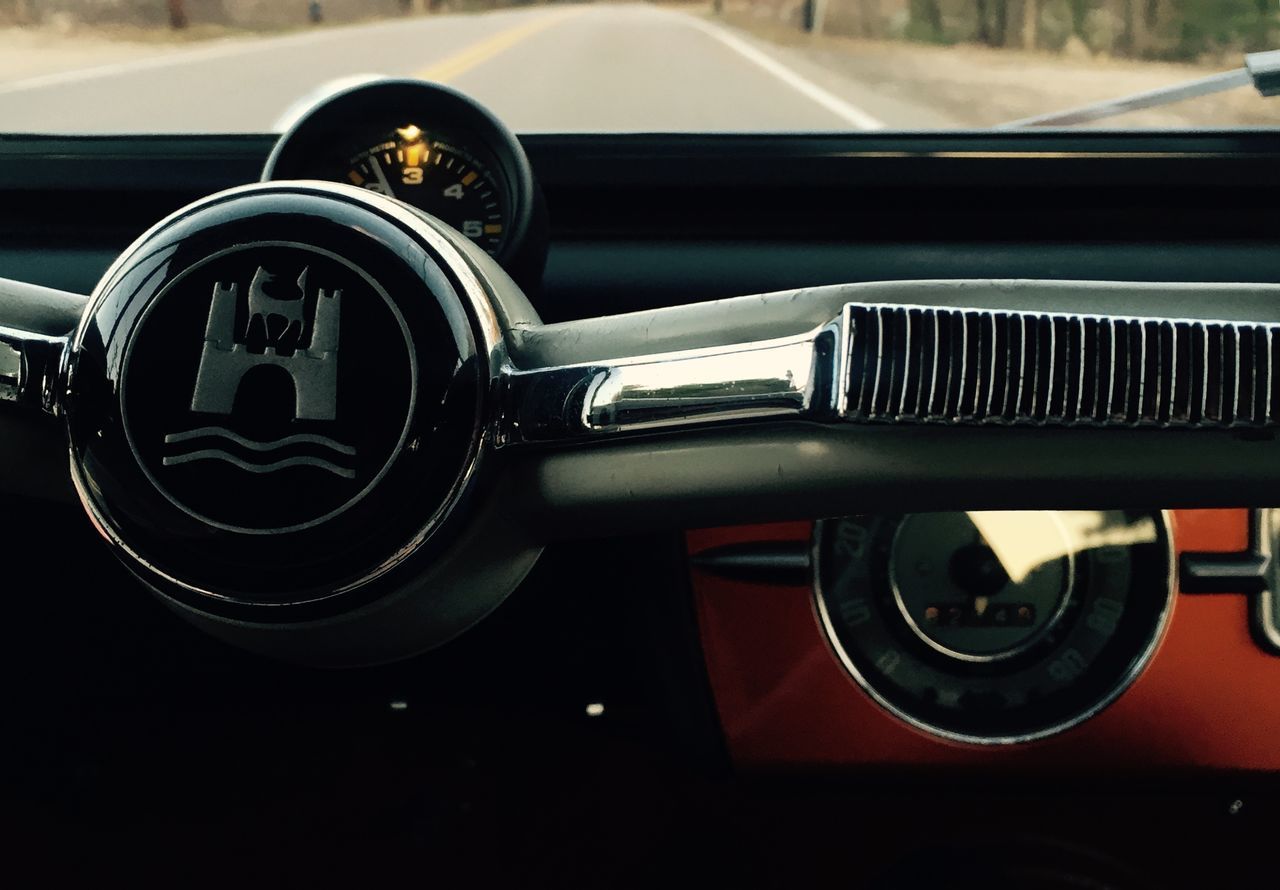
x,y
1136,665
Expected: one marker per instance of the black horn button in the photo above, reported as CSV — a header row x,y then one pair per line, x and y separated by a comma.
x,y
275,400
292,405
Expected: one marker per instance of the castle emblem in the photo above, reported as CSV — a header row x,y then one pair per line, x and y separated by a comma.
x,y
310,359
307,352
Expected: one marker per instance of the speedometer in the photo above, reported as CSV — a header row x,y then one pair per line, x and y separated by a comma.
x,y
995,627
450,183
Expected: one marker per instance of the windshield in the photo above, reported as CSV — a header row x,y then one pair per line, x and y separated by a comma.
x,y
238,66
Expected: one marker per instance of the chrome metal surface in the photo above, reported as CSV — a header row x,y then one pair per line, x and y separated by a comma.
x,y
1255,571
784,563
919,364
790,377
903,364
28,368
1265,612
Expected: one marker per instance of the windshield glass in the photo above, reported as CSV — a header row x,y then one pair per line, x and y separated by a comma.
x,y
237,66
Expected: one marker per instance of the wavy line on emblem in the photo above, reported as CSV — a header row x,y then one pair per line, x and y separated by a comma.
x,y
218,454
218,432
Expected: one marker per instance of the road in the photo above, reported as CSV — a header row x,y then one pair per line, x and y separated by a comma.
x,y
619,68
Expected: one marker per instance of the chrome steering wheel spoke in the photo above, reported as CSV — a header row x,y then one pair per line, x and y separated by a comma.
x,y
326,426
978,399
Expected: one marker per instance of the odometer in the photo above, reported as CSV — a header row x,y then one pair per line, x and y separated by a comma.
x,y
447,182
994,627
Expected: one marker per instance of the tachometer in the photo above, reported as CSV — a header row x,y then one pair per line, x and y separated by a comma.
x,y
995,627
450,183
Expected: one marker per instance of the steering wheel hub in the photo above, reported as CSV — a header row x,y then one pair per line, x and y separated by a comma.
x,y
277,397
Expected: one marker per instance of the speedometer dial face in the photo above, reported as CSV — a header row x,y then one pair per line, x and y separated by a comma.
x,y
450,183
994,627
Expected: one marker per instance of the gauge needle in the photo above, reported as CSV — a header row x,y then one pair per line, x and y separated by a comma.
x,y
382,185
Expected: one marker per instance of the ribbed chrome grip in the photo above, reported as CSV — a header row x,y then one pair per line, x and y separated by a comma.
x,y
916,364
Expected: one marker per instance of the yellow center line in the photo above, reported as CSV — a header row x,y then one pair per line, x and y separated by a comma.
x,y
464,60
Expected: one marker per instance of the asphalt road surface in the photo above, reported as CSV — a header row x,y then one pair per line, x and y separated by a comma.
x,y
618,68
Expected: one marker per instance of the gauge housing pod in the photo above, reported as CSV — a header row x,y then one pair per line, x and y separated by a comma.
x,y
328,141
995,627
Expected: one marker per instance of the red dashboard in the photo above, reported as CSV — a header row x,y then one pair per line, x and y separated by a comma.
x,y
1208,698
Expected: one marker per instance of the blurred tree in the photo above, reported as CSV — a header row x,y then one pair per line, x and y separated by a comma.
x,y
1079,17
1000,27
177,14
993,21
1030,24
1169,29
1141,20
925,20
1213,26
983,29
1127,41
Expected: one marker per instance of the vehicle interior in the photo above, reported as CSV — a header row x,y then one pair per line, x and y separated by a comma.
x,y
401,494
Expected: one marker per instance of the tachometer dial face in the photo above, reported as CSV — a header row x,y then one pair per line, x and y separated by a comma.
x,y
449,183
994,627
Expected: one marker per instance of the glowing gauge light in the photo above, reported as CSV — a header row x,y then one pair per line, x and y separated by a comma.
x,y
994,627
447,182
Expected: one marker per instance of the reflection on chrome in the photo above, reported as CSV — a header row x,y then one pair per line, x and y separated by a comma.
x,y
1019,541
776,379
880,363
786,377
27,364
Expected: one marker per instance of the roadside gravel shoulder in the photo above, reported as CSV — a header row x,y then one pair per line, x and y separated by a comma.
x,y
976,86
29,52
36,52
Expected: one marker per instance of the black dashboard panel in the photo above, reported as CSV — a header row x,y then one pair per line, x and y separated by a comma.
x,y
639,221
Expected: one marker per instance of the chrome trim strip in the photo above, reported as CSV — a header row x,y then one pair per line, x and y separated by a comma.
x,y
882,372
844,357
1265,608
29,368
1135,388
780,563
1254,571
776,378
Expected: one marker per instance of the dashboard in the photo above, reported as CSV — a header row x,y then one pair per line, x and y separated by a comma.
x,y
1196,684
1125,641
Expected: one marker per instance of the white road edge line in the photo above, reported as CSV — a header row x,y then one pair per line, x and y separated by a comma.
x,y
165,58
222,48
849,113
